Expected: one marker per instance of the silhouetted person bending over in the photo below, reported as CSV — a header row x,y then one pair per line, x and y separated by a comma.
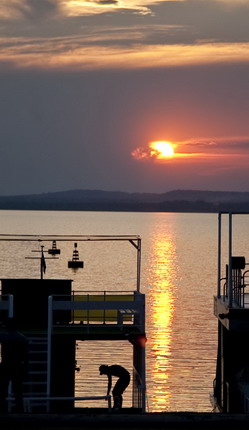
x,y
14,349
122,383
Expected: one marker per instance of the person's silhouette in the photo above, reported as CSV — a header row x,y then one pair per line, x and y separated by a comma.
x,y
14,359
122,383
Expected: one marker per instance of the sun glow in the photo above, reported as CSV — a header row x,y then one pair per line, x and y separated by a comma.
x,y
162,149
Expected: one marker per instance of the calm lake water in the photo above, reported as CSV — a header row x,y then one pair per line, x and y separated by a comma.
x,y
179,277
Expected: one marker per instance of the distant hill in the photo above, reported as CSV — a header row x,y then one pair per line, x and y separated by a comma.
x,y
99,200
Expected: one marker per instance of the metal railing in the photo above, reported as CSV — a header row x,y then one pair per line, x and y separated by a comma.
x,y
27,401
138,393
240,280
100,308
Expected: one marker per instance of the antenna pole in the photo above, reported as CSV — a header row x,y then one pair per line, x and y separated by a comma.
x,y
43,262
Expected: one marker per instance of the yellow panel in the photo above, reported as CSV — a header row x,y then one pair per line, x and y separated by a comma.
x,y
100,315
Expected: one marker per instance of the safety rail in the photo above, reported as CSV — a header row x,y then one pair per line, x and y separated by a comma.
x,y
138,393
101,315
28,400
245,284
100,308
237,297
240,280
234,285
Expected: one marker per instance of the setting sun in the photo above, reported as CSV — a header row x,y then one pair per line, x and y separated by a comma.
x,y
162,149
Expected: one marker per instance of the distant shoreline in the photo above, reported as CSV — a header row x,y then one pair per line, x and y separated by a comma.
x,y
126,209
97,200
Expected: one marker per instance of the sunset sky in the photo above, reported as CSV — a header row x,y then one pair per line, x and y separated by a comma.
x,y
86,87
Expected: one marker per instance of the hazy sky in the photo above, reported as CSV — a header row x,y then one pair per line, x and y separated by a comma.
x,y
86,86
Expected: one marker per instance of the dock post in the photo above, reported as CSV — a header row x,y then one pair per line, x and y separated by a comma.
x,y
11,306
49,341
219,256
230,286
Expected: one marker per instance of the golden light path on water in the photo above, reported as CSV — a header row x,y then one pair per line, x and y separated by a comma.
x,y
161,319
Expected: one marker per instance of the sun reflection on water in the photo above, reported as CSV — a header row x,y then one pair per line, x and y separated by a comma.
x,y
160,318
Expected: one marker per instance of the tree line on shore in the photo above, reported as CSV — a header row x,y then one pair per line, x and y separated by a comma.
x,y
98,200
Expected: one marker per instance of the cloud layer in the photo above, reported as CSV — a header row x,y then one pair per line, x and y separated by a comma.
x,y
93,34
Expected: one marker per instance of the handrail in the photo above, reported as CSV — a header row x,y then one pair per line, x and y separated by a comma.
x,y
27,400
238,288
243,276
132,308
84,305
97,292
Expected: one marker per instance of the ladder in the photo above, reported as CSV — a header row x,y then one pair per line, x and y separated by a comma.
x,y
37,381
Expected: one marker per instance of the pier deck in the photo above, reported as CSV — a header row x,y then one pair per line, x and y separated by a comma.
x,y
153,421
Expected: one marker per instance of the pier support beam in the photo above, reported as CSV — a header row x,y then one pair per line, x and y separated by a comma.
x,y
139,374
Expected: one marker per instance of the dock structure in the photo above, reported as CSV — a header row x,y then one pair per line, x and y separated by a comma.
x,y
231,307
54,317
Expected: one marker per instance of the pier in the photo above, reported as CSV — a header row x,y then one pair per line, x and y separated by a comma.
x,y
231,307
54,317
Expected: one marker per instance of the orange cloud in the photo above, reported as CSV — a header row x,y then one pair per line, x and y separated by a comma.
x,y
79,8
198,150
77,53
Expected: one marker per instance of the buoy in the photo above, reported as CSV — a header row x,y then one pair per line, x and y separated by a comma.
x,y
75,262
54,250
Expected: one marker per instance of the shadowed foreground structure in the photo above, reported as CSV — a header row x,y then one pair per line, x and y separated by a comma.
x,y
157,421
